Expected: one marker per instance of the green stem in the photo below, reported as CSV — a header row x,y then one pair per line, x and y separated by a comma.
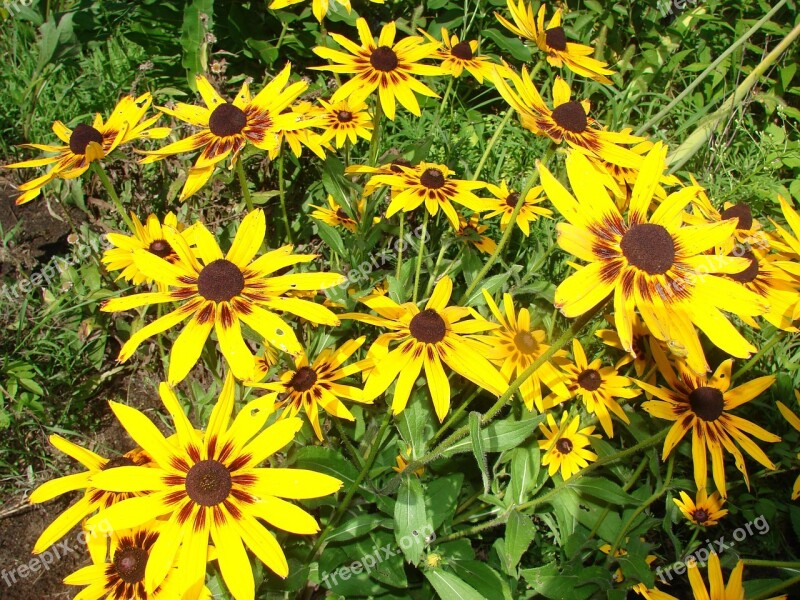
x,y
628,485
400,247
373,454
248,200
282,197
445,98
456,414
357,459
491,144
776,337
374,143
420,253
435,272
710,69
771,591
98,169
534,177
757,562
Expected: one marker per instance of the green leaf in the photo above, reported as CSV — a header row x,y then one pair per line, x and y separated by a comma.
x,y
513,46
477,448
549,582
500,435
198,20
483,578
451,587
525,466
357,527
520,532
602,489
331,238
411,525
330,462
441,498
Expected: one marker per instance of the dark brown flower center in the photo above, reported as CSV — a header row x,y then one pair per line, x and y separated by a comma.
x,y
462,50
637,345
383,59
512,199
649,247
432,179
525,342
590,380
750,273
571,116
160,248
303,380
428,326
741,212
344,116
555,38
564,446
81,136
220,281
395,165
707,403
341,214
208,483
700,515
118,461
130,563
226,120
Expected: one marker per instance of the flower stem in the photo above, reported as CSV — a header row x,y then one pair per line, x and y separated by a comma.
x,y
282,197
97,167
435,272
400,246
492,142
243,184
420,253
374,143
771,591
776,337
534,177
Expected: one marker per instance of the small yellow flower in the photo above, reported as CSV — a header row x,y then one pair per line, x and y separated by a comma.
x,y
564,446
707,511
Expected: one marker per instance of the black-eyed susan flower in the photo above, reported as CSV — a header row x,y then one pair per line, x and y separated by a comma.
x,y
596,386
426,338
222,291
149,237
395,167
706,511
93,498
506,200
565,445
717,589
315,385
226,127
334,215
650,263
794,421
471,231
640,344
515,345
208,487
122,576
568,122
318,7
432,184
384,65
457,55
347,119
552,40
703,406
299,133
88,143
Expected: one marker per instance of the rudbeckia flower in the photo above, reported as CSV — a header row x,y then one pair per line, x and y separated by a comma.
x,y
122,577
640,344
334,215
432,184
347,119
506,200
315,385
553,41
93,498
394,167
319,7
384,65
703,406
456,55
149,237
426,338
706,511
596,386
515,345
568,122
299,133
717,589
226,127
208,487
222,291
564,446
88,143
794,421
471,231
649,263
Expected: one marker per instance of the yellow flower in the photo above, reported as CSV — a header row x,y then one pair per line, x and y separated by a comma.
x,y
335,216
207,486
319,7
226,127
403,461
505,201
717,589
220,292
384,65
703,406
438,334
707,511
455,56
472,232
553,41
564,446
794,421
88,143
346,119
